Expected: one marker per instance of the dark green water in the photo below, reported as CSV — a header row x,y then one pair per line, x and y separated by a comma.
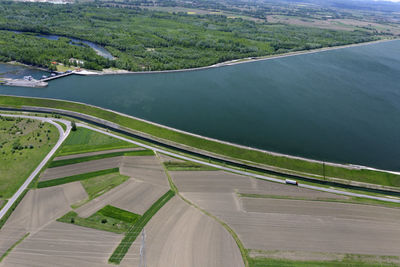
x,y
341,105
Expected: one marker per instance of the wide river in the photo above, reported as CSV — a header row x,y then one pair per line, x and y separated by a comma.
x,y
339,105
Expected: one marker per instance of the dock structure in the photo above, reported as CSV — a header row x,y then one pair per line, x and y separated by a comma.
x,y
56,76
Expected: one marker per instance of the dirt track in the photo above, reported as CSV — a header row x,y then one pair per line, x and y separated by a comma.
x,y
292,225
181,236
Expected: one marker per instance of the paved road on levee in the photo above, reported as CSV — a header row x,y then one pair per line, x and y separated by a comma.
x,y
63,136
335,191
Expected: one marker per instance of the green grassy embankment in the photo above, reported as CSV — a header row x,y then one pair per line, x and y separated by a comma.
x,y
74,178
134,231
186,166
109,219
58,163
84,140
23,145
242,154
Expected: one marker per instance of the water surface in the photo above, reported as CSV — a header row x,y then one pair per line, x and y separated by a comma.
x,y
340,105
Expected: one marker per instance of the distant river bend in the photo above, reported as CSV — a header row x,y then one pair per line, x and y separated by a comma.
x,y
340,105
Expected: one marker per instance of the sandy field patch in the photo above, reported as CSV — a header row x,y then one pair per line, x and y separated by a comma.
x,y
97,153
181,236
133,195
79,168
62,244
144,168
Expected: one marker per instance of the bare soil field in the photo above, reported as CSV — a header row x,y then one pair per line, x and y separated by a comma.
x,y
292,225
38,208
219,181
97,153
181,236
62,244
144,168
133,195
79,168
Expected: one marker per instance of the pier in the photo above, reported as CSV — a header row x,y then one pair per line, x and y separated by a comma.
x,y
56,76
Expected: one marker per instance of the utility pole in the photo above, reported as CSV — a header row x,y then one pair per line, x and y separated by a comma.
x,y
143,250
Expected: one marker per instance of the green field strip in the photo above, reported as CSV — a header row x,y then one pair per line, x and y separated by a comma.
x,y
74,178
109,218
134,231
58,163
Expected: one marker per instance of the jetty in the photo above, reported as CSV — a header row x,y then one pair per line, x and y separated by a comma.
x,y
56,76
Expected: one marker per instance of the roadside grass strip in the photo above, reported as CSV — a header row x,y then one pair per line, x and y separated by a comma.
x,y
109,219
134,231
346,262
187,166
13,207
74,178
59,163
13,246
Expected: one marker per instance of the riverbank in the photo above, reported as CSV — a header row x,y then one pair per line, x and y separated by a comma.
x,y
87,72
236,61
283,164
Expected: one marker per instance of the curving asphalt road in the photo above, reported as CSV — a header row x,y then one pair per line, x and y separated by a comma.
x,y
63,136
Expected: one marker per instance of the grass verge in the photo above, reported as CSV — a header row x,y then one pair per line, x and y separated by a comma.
x,y
186,166
58,163
351,200
75,178
13,246
135,230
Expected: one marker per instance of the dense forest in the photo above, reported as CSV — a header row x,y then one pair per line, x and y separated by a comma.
x,y
141,39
